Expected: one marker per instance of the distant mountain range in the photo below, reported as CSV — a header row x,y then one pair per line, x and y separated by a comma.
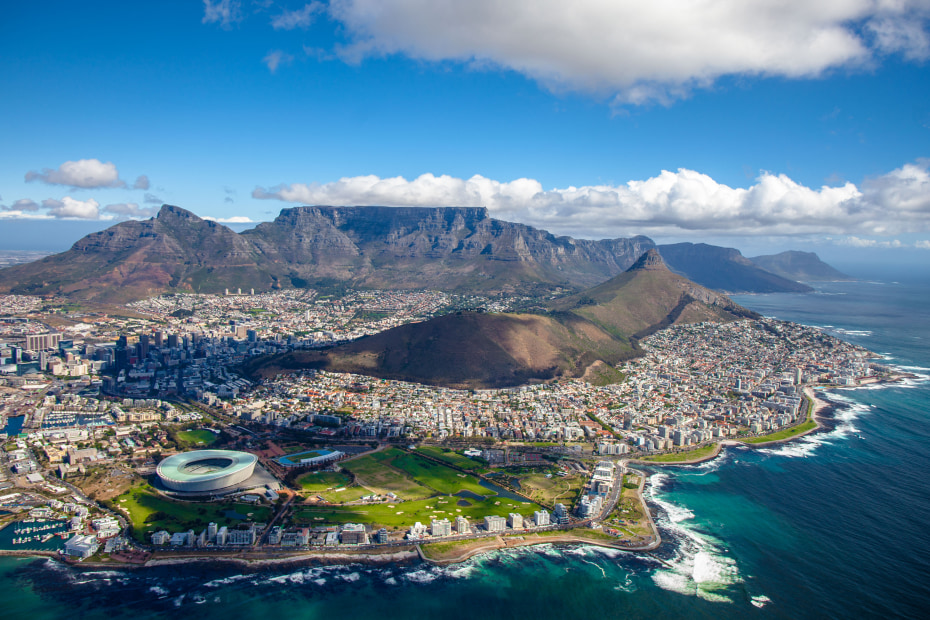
x,y
459,249
803,266
584,335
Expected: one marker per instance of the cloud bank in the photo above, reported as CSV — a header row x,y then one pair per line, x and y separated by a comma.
x,y
680,203
69,208
83,173
638,51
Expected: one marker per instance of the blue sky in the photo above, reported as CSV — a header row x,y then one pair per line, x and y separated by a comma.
x,y
762,125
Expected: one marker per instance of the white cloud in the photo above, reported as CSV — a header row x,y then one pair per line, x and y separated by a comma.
x,y
276,58
85,173
142,182
858,242
222,12
68,207
23,215
23,204
131,210
678,203
299,18
638,51
237,219
152,199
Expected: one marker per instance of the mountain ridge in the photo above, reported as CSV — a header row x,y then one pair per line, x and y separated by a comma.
x,y
456,249
801,266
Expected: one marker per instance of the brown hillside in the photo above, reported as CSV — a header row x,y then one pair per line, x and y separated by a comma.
x,y
467,350
648,297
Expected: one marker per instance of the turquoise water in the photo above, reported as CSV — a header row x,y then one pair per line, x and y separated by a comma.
x,y
832,525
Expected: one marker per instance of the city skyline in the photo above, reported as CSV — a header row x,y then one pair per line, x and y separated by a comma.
x,y
752,127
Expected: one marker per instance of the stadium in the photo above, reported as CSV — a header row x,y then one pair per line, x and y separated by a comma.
x,y
206,471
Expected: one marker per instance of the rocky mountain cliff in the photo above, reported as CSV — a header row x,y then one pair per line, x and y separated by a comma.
x,y
458,249
442,247
725,269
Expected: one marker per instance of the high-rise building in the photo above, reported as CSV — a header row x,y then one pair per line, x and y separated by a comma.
x,y
159,338
440,527
382,536
494,523
461,525
515,520
41,342
541,517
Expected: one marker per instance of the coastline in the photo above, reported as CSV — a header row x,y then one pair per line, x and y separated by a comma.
x,y
413,552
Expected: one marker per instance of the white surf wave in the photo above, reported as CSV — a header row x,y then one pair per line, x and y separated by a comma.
x,y
159,591
675,513
225,581
760,601
423,575
700,567
846,413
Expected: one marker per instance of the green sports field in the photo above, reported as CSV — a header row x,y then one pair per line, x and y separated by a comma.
x,y
150,512
374,472
451,457
200,437
319,481
401,515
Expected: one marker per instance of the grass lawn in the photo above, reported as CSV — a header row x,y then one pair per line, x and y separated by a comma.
x,y
403,514
451,457
785,434
552,490
143,502
374,472
318,481
443,479
349,494
436,550
201,437
630,511
676,457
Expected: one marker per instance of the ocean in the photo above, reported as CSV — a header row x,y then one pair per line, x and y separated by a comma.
x,y
832,525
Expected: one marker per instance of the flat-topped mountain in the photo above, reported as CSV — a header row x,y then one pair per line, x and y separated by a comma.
x,y
803,266
725,269
583,335
460,249
446,248
443,247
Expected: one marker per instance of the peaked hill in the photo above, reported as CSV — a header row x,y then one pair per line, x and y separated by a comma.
x,y
582,335
174,251
803,266
649,297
